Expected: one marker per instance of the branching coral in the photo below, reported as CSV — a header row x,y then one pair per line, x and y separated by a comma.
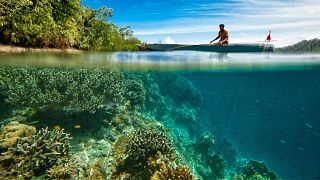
x,y
34,155
177,173
44,148
70,88
64,170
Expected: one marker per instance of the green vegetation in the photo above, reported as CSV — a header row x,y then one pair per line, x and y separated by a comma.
x,y
61,24
304,46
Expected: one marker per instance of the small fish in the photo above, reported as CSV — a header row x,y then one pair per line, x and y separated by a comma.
x,y
77,126
58,128
316,133
86,145
308,125
301,149
167,130
283,142
33,122
70,109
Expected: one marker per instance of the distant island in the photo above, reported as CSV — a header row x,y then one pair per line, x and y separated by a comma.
x,y
305,46
61,25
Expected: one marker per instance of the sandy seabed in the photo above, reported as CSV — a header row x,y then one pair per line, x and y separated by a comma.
x,y
16,49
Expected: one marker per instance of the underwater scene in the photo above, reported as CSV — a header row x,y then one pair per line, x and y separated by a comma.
x,y
159,115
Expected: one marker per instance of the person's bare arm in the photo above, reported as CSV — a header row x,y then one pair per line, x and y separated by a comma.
x,y
215,38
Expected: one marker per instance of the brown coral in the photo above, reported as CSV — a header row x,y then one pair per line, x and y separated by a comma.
x,y
66,170
11,132
134,151
177,173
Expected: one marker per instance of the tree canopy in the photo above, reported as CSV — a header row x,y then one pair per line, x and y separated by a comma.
x,y
60,24
304,46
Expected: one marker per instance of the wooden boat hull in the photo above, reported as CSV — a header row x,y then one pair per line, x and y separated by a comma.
x,y
231,48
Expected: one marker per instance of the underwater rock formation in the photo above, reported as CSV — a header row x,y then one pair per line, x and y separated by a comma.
x,y
32,156
12,132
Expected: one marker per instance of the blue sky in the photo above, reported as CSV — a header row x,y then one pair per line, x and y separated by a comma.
x,y
196,21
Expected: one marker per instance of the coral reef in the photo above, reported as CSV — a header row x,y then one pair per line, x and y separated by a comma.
x,y
135,93
205,146
186,115
257,170
32,156
181,89
74,89
137,148
67,169
205,143
12,132
217,166
227,151
177,173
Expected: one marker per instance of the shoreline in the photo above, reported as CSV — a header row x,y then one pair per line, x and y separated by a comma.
x,y
4,48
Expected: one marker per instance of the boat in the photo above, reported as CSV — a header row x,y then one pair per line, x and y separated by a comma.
x,y
230,48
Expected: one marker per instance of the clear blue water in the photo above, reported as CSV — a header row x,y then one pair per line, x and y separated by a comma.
x,y
266,105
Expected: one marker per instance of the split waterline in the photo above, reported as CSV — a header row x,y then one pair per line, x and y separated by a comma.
x,y
166,61
212,106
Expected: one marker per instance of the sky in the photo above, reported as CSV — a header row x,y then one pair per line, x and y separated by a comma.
x,y
197,21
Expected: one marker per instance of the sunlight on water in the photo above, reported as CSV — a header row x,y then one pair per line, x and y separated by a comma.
x,y
178,60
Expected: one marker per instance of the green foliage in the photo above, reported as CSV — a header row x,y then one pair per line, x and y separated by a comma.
x,y
304,46
72,88
62,23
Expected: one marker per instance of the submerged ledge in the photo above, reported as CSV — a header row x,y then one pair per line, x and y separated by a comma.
x,y
4,48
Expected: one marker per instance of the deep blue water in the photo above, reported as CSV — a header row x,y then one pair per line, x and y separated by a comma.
x,y
272,116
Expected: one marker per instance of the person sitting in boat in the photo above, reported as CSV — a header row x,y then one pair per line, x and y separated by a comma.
x,y
223,35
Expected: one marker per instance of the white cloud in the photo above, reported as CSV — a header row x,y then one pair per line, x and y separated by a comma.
x,y
169,40
290,21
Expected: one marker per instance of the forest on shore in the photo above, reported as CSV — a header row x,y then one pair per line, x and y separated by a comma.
x,y
62,24
305,46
